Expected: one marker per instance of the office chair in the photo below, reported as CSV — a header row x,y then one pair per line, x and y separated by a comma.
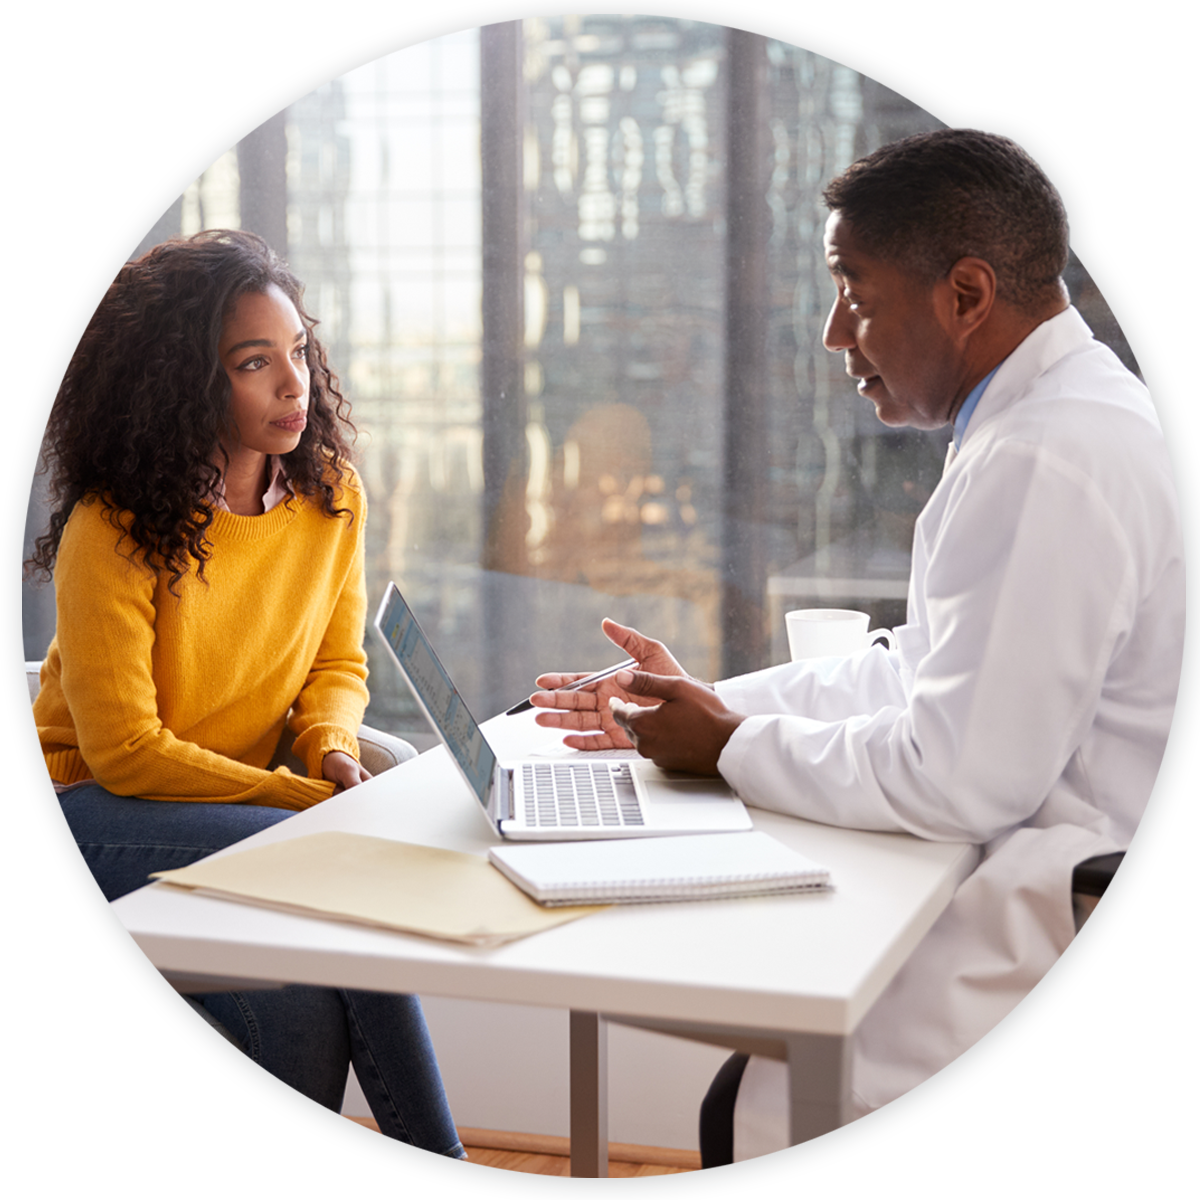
x,y
49,1024
1129,1014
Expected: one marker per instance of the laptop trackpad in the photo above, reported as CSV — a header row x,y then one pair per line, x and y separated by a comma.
x,y
666,787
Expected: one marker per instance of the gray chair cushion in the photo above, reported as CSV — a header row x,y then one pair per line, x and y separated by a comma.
x,y
54,1036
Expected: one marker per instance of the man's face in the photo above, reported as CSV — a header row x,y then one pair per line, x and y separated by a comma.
x,y
894,332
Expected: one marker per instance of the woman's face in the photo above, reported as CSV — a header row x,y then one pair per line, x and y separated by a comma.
x,y
262,349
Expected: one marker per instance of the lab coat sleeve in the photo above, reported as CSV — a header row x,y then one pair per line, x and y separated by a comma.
x,y
825,689
1027,588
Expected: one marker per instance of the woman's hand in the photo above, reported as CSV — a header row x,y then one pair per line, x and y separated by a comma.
x,y
343,771
589,709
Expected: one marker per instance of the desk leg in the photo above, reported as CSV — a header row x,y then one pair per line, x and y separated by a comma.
x,y
819,1085
111,1125
589,1095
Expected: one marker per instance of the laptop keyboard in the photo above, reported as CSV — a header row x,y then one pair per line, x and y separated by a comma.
x,y
578,794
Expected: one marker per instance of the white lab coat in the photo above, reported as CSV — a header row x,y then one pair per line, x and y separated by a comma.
x,y
1025,707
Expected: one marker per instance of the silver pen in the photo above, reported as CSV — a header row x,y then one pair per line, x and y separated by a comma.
x,y
526,705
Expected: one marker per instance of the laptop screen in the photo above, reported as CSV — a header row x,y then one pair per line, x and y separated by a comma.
x,y
436,692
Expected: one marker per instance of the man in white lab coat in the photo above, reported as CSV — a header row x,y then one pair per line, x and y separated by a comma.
x,y
1026,705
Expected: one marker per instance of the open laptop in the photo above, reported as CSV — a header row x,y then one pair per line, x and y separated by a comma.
x,y
552,799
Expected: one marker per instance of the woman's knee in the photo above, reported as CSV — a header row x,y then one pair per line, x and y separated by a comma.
x,y
297,1033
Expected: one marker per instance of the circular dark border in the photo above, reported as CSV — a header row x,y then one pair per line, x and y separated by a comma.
x,y
1050,993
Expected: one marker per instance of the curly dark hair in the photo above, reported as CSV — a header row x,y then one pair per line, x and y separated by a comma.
x,y
928,200
145,400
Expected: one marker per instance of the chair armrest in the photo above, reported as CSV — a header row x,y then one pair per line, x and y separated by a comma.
x,y
379,751
1165,888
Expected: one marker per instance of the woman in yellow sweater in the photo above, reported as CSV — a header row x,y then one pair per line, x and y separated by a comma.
x,y
206,542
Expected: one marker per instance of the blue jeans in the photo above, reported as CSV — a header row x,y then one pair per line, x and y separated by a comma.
x,y
305,1036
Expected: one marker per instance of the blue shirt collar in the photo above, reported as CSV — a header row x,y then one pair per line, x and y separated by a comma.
x,y
968,406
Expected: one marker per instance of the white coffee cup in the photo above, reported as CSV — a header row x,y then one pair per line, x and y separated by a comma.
x,y
819,632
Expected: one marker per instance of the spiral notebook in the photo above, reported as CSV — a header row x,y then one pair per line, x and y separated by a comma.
x,y
690,867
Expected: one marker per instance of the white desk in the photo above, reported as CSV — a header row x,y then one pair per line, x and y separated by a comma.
x,y
788,976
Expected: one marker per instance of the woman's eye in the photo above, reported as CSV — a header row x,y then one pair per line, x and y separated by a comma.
x,y
252,364
300,353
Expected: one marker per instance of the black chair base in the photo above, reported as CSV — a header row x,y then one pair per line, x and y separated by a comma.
x,y
716,1113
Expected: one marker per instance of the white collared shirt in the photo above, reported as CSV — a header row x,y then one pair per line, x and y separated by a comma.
x,y
278,488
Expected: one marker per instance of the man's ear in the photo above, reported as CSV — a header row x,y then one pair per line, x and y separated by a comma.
x,y
972,284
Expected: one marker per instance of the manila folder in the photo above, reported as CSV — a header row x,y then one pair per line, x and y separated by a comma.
x,y
375,881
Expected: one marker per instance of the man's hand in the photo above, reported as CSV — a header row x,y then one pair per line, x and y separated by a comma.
x,y
686,729
340,769
589,709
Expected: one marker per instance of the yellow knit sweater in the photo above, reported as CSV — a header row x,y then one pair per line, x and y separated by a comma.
x,y
184,697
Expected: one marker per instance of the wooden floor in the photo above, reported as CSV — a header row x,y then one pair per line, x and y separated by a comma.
x,y
191,1131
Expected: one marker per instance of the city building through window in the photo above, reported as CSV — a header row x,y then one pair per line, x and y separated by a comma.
x,y
570,273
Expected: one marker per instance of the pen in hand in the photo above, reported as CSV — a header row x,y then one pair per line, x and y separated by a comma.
x,y
526,705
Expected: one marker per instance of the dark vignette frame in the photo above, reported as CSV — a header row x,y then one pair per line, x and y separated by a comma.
x,y
1047,996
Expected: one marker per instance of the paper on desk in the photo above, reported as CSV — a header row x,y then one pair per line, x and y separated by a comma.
x,y
441,894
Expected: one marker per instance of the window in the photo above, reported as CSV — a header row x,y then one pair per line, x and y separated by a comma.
x,y
570,273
